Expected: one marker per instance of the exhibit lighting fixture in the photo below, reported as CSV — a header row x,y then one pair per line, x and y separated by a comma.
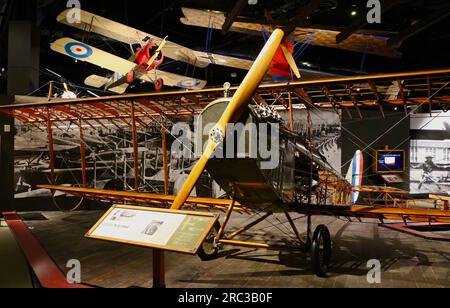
x,y
354,13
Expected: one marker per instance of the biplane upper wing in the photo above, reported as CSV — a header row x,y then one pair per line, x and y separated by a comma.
x,y
93,23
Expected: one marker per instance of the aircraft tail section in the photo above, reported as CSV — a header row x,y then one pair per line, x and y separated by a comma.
x,y
355,174
96,81
119,89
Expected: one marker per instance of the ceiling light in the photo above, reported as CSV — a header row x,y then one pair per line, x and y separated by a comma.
x,y
252,2
354,13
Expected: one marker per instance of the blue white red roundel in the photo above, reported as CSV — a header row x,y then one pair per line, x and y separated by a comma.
x,y
78,50
189,83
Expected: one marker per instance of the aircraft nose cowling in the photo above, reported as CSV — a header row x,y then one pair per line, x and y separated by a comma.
x,y
145,54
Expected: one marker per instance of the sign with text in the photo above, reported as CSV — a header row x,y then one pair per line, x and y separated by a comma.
x,y
179,231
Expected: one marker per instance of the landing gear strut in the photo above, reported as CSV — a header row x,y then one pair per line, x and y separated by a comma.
x,y
318,245
209,249
130,77
159,84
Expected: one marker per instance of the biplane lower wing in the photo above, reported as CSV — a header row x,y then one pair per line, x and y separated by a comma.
x,y
378,212
246,64
158,200
145,199
83,52
174,80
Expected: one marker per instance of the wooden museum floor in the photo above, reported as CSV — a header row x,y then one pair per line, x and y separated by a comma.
x,y
407,261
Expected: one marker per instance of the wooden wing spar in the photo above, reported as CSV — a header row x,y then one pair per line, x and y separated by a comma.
x,y
382,91
144,199
356,212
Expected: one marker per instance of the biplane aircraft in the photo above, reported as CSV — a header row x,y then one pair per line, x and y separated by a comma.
x,y
303,182
145,61
371,43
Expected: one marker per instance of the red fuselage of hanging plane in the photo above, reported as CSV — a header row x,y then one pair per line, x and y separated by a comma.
x,y
143,58
280,68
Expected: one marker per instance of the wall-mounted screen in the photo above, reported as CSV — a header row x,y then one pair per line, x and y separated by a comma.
x,y
391,161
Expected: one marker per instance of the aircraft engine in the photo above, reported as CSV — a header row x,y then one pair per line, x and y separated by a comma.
x,y
144,55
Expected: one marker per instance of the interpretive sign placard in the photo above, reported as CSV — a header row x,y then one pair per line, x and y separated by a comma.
x,y
179,231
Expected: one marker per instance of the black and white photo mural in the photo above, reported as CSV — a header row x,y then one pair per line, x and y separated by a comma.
x,y
430,153
326,132
110,162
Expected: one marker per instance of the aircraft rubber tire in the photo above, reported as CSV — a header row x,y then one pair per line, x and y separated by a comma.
x,y
321,251
159,84
208,250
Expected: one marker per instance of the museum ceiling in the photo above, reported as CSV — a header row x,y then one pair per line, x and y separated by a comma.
x,y
423,50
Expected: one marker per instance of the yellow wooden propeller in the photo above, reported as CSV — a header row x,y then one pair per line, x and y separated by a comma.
x,y
235,108
157,52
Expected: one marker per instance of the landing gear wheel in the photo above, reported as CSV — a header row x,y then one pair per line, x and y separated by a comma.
x,y
321,251
208,250
130,77
159,84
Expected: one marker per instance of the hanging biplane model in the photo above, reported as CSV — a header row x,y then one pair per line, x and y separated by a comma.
x,y
371,43
302,181
145,61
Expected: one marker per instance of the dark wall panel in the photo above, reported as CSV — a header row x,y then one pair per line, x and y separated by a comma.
x,y
358,134
23,78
